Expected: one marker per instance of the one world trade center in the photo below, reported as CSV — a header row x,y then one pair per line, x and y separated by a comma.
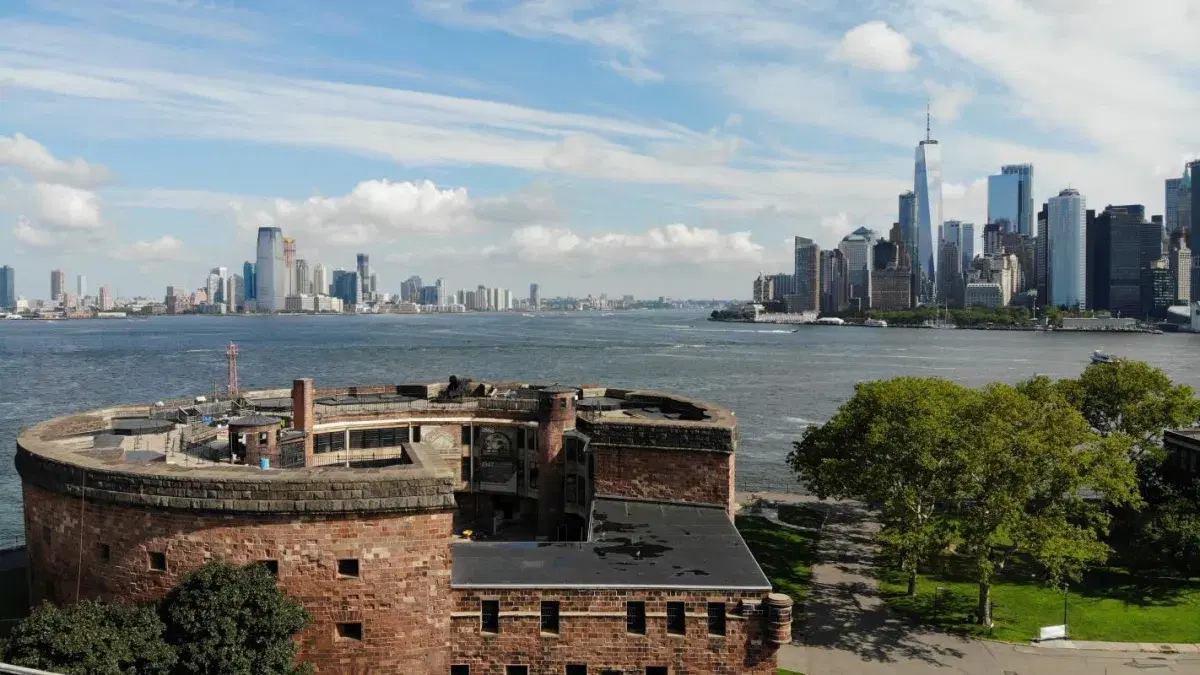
x,y
927,179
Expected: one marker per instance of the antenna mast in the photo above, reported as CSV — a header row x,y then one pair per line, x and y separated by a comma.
x,y
927,136
231,352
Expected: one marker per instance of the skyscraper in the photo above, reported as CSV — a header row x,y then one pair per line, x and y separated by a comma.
x,y
289,266
58,284
535,297
835,281
1179,261
1172,204
966,244
1066,250
106,301
807,297
857,249
1010,198
908,222
364,276
950,274
248,279
440,285
927,179
347,287
303,279
320,280
270,271
81,285
8,288
1192,195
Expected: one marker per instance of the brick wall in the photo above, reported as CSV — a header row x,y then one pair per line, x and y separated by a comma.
x,y
402,596
664,474
592,632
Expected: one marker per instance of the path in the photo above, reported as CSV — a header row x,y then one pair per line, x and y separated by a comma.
x,y
849,630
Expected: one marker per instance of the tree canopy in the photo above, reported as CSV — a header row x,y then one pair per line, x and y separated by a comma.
x,y
91,638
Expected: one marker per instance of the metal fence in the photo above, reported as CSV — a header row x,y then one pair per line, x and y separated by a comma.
x,y
517,405
356,459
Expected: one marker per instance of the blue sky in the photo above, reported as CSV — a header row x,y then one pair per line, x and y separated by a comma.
x,y
666,147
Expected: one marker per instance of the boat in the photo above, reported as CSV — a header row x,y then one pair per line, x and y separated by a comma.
x,y
1101,356
831,321
940,322
875,323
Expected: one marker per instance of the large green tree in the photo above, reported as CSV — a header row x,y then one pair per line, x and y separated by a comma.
x,y
91,638
897,444
1038,485
230,620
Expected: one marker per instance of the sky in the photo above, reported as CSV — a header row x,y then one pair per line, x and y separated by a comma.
x,y
653,148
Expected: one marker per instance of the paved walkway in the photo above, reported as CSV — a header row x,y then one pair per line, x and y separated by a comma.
x,y
849,630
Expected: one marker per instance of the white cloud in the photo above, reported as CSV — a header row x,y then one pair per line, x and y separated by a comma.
x,y
68,208
163,249
876,46
635,70
676,243
30,234
947,101
27,154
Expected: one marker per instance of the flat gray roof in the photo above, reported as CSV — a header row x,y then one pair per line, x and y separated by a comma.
x,y
633,544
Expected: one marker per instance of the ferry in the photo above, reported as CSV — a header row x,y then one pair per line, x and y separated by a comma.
x,y
875,323
1101,356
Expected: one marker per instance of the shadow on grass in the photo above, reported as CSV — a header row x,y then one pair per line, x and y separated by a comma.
x,y
786,556
802,515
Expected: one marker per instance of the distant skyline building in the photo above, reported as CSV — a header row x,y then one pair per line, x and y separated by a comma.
x,y
347,287
535,297
8,288
270,271
303,284
927,179
907,219
950,272
363,265
320,280
106,299
81,285
440,285
1171,204
807,296
1066,251
835,281
58,285
763,290
289,265
1179,261
1010,198
857,248
248,279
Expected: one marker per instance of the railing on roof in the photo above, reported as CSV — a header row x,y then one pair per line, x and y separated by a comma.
x,y
357,459
521,405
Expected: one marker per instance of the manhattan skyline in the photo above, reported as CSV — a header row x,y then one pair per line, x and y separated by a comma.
x,y
143,144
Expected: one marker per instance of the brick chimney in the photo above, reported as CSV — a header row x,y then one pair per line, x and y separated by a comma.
x,y
556,414
302,413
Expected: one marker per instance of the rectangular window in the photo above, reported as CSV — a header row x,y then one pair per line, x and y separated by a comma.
x,y
516,670
330,442
716,618
550,616
520,437
348,567
676,620
105,553
416,434
466,435
158,561
460,670
656,670
489,616
350,631
576,669
635,617
271,565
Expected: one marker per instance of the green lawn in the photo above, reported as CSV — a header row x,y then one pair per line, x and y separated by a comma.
x,y
785,555
1108,605
788,672
801,515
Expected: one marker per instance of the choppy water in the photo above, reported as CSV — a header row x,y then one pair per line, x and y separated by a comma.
x,y
775,380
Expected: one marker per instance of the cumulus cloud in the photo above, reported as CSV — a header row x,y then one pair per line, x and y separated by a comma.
x,y
31,235
24,153
947,101
676,243
876,46
165,248
65,207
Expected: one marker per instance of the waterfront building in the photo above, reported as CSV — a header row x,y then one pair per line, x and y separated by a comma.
x,y
1180,263
1065,251
363,267
1040,263
347,288
950,275
410,289
1010,198
1121,229
535,297
440,285
106,299
782,285
1171,204
807,297
289,265
985,294
835,281
992,233
764,289
1158,290
320,280
81,285
908,223
884,254
857,249
270,272
8,288
249,281
891,288
927,179
58,285
303,284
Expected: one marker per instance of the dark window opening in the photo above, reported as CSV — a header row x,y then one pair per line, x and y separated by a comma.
x,y
350,631
520,437
676,620
158,561
271,565
516,670
489,616
656,670
348,567
330,442
105,553
460,670
262,437
369,439
576,669
466,435
550,616
466,469
416,434
716,618
635,617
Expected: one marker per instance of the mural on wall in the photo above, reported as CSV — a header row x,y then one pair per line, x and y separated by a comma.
x,y
498,468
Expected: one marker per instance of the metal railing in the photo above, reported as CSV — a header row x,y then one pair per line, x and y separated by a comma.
x,y
519,405
356,459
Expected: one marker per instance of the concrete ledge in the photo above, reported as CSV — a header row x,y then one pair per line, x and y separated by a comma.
x,y
1102,646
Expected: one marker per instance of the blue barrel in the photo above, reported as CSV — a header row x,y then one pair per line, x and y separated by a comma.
x,y
264,463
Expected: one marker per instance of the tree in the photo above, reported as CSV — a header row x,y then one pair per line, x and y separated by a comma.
x,y
897,444
91,638
229,620
1133,398
1038,481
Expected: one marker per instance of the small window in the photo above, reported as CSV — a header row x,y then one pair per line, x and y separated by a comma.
x,y
262,438
716,618
416,434
489,616
460,670
348,567
635,617
466,435
676,620
350,631
158,561
516,670
521,437
271,565
656,670
550,616
576,669
105,553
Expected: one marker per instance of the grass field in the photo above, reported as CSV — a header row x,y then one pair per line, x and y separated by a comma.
x,y
788,672
1108,605
785,555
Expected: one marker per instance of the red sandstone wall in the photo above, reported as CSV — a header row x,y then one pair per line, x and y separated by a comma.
x,y
592,632
402,596
669,475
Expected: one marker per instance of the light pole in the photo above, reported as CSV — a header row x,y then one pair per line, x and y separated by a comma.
x,y
1066,587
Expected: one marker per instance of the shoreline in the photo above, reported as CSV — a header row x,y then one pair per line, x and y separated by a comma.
x,y
1027,329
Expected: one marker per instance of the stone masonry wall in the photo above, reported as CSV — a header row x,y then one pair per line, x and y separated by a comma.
x,y
592,632
402,596
664,474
